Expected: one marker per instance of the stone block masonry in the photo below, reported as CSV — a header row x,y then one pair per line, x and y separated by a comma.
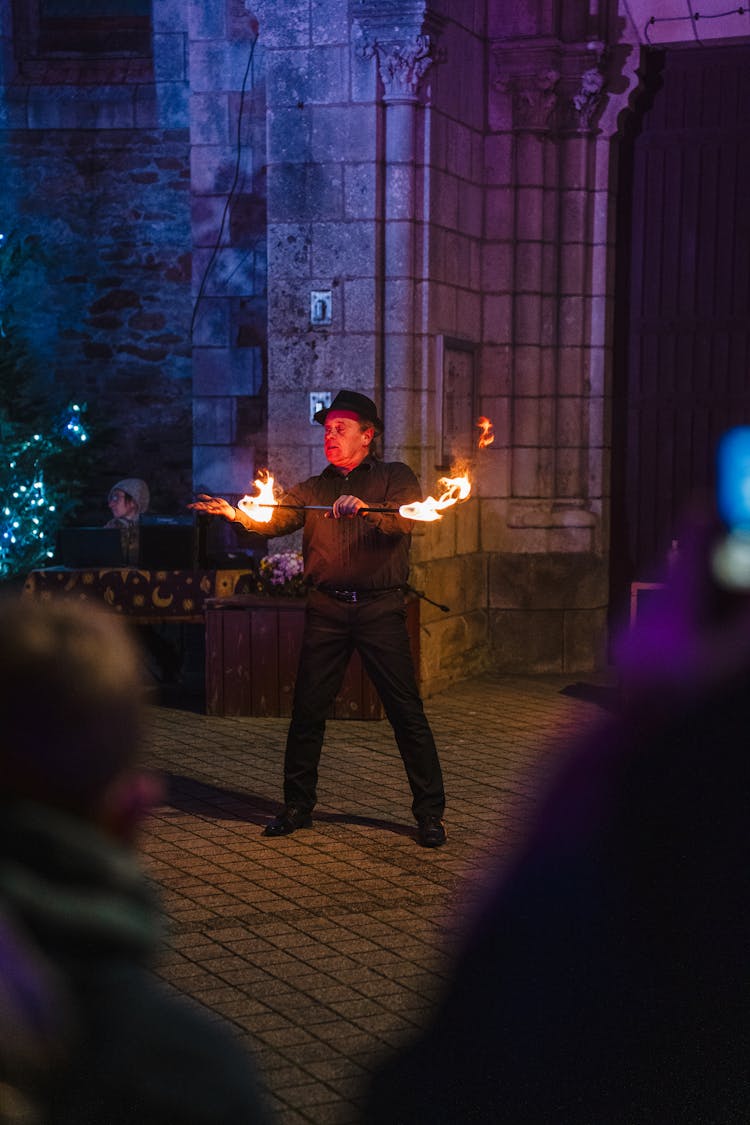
x,y
110,310
227,75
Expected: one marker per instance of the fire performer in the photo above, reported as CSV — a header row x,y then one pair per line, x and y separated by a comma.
x,y
356,568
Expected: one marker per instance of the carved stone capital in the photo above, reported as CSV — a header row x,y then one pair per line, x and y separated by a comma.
x,y
533,98
551,87
402,35
589,97
401,65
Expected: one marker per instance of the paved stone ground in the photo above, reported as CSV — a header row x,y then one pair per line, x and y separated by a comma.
x,y
324,949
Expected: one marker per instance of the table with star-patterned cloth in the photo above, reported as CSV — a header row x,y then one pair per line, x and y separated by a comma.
x,y
143,596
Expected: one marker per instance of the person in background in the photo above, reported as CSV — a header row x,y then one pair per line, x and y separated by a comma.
x,y
107,1042
604,980
356,565
127,500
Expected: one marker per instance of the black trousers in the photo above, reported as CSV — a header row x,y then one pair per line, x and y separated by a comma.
x,y
376,628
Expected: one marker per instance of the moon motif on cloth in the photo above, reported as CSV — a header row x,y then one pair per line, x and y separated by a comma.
x,y
159,601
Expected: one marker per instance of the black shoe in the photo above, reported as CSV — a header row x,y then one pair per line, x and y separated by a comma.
x,y
431,832
289,820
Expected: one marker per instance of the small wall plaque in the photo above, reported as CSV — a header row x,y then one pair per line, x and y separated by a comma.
x,y
318,400
321,307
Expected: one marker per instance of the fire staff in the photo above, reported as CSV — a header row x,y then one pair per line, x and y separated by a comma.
x,y
356,569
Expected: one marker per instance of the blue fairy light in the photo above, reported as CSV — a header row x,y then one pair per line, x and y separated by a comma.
x,y
32,507
73,428
31,513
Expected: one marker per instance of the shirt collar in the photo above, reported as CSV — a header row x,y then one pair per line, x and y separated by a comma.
x,y
367,463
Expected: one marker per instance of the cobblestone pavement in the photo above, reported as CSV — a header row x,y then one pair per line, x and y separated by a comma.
x,y
326,948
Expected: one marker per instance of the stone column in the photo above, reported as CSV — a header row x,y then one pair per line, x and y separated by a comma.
x,y
401,65
552,149
582,301
549,576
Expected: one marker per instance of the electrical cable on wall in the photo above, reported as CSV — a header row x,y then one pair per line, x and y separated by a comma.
x,y
232,190
693,18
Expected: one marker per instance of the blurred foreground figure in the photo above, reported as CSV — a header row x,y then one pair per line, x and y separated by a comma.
x,y
87,1035
605,979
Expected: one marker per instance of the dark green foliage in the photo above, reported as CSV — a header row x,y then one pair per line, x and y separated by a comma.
x,y
44,447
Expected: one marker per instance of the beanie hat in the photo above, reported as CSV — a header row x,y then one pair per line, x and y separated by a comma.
x,y
136,489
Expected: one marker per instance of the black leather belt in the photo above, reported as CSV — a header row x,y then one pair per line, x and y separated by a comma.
x,y
352,597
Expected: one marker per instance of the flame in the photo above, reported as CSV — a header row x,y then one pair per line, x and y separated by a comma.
x,y
260,507
487,436
454,489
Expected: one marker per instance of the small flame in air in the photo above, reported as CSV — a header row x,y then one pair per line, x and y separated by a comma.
x,y
487,435
454,489
260,507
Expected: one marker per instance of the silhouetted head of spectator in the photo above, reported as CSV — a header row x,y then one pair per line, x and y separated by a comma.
x,y
70,711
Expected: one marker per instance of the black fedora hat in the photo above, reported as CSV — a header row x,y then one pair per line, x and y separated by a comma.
x,y
355,403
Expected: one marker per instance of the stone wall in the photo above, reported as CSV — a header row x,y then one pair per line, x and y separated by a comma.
x,y
547,286
450,562
99,176
324,233
229,272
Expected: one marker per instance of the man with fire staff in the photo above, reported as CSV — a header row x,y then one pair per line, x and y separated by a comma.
x,y
356,563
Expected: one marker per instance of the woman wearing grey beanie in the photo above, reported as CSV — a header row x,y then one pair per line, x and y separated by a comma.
x,y
127,500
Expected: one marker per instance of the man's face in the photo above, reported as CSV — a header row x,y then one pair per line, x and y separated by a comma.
x,y
345,442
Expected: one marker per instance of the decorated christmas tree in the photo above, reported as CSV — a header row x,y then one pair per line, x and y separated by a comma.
x,y
42,435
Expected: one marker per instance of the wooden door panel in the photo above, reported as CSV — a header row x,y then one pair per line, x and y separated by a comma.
x,y
683,346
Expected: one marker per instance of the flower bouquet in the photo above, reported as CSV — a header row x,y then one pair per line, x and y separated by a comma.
x,y
280,575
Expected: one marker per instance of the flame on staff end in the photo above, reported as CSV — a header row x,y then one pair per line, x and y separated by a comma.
x,y
260,507
487,435
454,489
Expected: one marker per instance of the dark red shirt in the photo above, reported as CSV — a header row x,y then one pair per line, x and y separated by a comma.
x,y
365,552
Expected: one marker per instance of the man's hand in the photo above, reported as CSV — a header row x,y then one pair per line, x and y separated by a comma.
x,y
347,506
213,505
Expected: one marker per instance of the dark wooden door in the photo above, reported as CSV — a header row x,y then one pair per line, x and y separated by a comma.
x,y
682,369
